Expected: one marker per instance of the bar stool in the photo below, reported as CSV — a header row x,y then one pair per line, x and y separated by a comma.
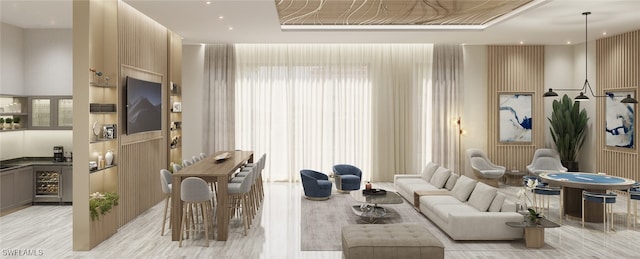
x,y
634,196
607,200
187,163
176,167
239,199
165,181
195,193
196,159
546,191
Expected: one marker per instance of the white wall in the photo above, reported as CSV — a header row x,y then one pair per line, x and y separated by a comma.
x,y
34,143
11,59
192,99
474,107
48,57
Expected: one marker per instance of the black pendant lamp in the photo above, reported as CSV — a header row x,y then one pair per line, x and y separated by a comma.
x,y
586,85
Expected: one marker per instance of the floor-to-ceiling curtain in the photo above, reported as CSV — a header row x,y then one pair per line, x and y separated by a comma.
x,y
219,98
446,98
313,106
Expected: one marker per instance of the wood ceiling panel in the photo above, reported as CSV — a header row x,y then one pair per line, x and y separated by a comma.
x,y
393,12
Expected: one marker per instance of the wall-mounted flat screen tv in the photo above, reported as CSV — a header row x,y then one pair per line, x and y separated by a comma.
x,y
144,105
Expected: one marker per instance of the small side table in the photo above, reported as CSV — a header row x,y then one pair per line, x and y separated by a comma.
x,y
513,173
534,232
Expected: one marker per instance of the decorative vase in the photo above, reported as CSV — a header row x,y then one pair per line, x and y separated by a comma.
x,y
109,157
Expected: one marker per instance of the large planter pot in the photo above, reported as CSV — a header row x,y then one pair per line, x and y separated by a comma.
x,y
572,166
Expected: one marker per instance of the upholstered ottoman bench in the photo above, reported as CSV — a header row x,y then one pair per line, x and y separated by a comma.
x,y
390,241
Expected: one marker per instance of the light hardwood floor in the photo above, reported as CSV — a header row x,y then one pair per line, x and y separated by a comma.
x,y
276,234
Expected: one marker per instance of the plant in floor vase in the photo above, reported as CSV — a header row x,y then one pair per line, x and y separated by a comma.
x,y
102,203
533,215
568,130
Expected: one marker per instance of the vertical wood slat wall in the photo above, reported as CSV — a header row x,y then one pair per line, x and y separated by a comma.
x,y
515,69
142,45
617,67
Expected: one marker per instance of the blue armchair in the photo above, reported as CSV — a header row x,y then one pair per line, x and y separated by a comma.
x,y
348,177
316,185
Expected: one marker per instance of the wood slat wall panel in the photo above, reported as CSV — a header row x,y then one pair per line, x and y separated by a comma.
x,y
142,50
515,69
617,67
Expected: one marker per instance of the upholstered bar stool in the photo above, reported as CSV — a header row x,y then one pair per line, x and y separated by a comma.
x,y
186,163
239,199
634,196
545,191
250,173
195,193
196,159
165,181
176,167
607,200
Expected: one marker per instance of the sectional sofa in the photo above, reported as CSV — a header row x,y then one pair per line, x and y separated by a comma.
x,y
462,207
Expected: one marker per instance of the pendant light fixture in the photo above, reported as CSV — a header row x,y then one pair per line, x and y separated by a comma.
x,y
586,85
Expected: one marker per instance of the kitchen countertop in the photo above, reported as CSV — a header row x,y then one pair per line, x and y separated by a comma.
x,y
10,164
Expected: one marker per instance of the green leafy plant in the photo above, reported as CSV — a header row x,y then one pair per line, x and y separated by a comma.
x,y
9,120
568,128
1,120
16,119
102,203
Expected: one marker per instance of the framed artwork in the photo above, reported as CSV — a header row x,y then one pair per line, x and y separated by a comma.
x,y
620,124
515,121
109,131
177,107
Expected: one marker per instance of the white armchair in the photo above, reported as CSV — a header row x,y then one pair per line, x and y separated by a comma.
x,y
483,168
545,160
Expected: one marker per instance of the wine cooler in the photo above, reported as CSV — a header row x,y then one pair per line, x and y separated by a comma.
x,y
48,186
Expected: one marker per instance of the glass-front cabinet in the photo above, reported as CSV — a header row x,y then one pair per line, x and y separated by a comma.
x,y
13,112
51,112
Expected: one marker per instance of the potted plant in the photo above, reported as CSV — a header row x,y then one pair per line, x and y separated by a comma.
x,y
16,122
9,124
1,123
568,130
101,203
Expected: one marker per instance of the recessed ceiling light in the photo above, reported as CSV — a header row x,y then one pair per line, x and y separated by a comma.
x,y
604,33
207,2
521,42
220,17
230,28
568,42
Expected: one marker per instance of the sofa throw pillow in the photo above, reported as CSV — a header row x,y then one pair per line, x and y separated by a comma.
x,y
496,204
464,186
482,196
440,177
429,170
451,181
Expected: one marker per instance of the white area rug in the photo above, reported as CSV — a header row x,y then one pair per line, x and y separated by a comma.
x,y
322,221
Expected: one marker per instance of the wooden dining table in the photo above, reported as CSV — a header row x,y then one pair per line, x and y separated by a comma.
x,y
211,170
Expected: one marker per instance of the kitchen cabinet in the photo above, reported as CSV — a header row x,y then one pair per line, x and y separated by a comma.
x,y
15,108
67,184
16,188
50,112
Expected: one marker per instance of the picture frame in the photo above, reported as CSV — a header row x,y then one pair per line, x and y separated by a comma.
x,y
515,120
177,107
620,126
109,131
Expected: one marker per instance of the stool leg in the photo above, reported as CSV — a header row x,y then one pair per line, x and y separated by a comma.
x,y
583,211
182,226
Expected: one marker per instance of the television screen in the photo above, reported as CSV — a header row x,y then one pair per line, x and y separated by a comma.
x,y
144,105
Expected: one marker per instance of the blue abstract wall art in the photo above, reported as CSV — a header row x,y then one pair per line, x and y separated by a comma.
x,y
515,118
620,121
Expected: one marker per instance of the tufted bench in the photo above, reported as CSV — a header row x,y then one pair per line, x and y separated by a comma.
x,y
390,241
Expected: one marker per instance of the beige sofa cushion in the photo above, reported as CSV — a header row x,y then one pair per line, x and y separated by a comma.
x,y
453,178
440,177
496,204
464,186
482,196
429,170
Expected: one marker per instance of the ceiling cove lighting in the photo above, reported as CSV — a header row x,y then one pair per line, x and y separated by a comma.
x,y
586,85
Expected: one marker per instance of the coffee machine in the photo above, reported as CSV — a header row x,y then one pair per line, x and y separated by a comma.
x,y
58,154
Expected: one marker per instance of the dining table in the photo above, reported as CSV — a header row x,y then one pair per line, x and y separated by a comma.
x,y
216,168
573,183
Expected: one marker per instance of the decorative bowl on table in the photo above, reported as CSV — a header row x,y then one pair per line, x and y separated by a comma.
x,y
222,156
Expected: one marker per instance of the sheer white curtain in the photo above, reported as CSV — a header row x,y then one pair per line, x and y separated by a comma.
x,y
218,119
313,106
447,82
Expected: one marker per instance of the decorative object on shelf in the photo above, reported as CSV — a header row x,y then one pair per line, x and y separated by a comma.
x,y
568,130
176,125
515,117
93,165
174,141
109,131
109,158
9,123
102,107
177,107
367,186
101,163
97,76
16,122
95,130
533,214
102,203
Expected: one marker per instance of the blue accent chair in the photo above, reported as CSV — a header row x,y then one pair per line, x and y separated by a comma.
x,y
348,177
316,185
